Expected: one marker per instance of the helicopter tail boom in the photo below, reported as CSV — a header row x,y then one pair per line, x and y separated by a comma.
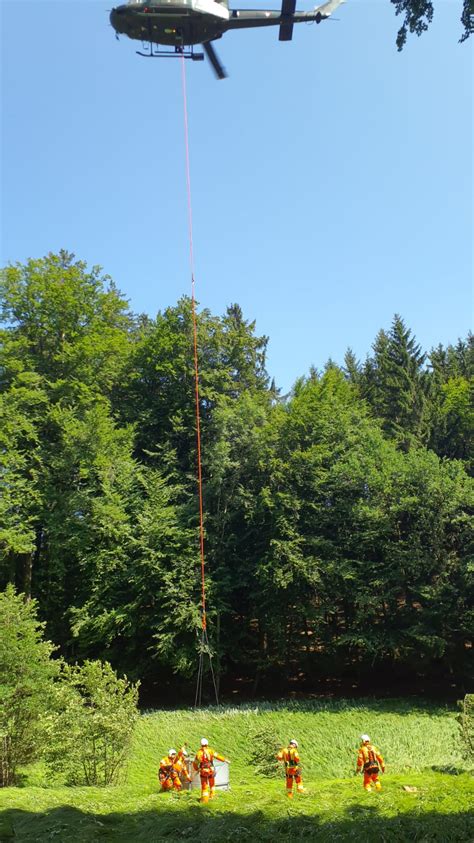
x,y
285,18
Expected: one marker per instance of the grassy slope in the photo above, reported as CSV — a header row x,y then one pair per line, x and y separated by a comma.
x,y
414,740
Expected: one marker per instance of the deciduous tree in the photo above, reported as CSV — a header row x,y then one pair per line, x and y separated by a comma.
x,y
27,672
418,14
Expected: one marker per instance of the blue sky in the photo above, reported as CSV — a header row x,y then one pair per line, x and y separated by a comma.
x,y
331,176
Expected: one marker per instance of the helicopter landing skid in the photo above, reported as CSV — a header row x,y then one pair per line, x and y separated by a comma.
x,y
154,52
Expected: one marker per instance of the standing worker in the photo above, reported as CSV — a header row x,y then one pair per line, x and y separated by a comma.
x,y
370,762
290,756
204,764
172,769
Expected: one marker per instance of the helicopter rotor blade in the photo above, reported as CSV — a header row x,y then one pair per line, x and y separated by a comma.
x,y
212,56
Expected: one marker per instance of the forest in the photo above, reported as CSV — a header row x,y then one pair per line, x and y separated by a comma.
x,y
338,518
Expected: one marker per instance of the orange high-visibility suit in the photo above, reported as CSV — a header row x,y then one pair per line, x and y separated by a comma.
x,y
172,770
204,764
291,759
370,762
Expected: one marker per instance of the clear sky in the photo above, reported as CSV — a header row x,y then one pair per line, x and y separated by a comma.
x,y
331,176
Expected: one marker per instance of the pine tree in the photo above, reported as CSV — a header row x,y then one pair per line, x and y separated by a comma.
x,y
451,382
352,367
395,385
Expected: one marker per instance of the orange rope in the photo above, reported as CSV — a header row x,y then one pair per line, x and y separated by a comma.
x,y
196,367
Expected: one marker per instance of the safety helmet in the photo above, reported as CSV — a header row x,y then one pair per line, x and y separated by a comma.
x,y
204,742
172,752
294,743
365,738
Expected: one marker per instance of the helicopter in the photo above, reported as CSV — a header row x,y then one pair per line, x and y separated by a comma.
x,y
182,24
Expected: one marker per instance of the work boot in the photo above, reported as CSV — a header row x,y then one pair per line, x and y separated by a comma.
x,y
368,788
289,793
300,788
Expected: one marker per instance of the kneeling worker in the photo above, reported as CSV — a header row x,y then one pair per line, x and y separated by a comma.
x,y
204,764
370,762
172,769
290,756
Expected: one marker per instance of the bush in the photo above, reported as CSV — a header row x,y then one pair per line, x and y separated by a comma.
x,y
265,747
91,729
465,719
26,676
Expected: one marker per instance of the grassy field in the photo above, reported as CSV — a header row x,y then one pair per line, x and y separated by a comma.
x,y
419,742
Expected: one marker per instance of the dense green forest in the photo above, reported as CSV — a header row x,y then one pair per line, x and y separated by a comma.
x,y
338,518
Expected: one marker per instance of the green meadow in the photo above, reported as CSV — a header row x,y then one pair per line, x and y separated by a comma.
x,y
419,741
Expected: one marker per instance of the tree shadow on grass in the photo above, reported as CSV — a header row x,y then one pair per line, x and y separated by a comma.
x,y
449,769
71,825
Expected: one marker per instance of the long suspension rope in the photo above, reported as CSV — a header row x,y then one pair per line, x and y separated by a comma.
x,y
204,643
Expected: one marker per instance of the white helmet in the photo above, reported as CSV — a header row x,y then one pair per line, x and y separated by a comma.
x,y
172,752
365,738
204,742
294,743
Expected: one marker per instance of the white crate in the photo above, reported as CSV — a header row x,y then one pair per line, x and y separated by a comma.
x,y
222,776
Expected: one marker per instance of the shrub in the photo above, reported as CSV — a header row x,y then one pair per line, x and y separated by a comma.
x,y
91,729
265,747
465,719
26,675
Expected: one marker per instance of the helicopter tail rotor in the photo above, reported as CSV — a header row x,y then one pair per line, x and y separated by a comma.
x,y
325,11
212,56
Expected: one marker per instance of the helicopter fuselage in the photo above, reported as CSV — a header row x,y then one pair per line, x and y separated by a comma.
x,y
172,22
181,24
189,22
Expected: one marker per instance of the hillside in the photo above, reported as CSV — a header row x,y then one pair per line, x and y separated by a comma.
x,y
419,742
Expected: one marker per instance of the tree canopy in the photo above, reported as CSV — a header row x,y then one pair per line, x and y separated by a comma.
x,y
338,520
418,14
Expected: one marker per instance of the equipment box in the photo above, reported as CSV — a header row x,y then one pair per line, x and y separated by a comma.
x,y
222,776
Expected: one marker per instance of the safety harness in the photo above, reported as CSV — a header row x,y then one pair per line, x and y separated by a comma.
x,y
291,764
371,765
206,767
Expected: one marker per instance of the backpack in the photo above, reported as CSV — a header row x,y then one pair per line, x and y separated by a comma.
x,y
371,765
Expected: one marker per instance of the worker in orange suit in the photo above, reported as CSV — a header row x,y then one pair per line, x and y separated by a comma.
x,y
204,764
291,759
370,762
173,769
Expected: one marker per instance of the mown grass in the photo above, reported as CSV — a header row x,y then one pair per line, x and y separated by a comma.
x,y
418,742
